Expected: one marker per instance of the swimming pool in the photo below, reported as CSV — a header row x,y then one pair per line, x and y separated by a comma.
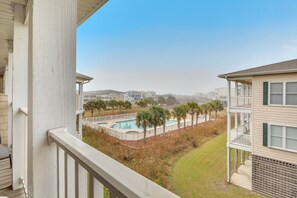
x,y
131,124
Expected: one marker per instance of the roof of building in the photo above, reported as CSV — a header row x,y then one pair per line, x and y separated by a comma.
x,y
289,66
82,78
107,91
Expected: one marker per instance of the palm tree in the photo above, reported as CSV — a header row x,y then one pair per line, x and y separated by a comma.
x,y
192,106
185,110
90,106
198,111
121,104
143,119
211,108
141,103
100,104
177,113
127,105
161,100
165,116
156,116
113,104
205,108
218,106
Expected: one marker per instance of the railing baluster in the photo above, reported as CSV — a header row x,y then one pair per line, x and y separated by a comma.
x,y
91,186
76,180
58,172
83,182
98,189
65,175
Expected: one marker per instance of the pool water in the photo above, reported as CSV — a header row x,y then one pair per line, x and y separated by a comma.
x,y
131,124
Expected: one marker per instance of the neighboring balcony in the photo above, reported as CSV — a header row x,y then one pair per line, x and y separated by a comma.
x,y
240,137
240,95
241,102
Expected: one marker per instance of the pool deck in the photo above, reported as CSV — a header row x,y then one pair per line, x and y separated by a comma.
x,y
110,123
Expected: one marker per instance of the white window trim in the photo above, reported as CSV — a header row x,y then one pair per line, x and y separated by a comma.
x,y
284,93
284,137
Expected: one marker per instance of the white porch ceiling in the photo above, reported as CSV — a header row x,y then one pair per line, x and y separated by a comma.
x,y
85,8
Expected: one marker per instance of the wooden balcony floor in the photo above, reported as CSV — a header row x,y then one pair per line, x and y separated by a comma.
x,y
12,193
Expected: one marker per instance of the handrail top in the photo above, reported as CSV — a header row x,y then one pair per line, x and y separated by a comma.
x,y
125,180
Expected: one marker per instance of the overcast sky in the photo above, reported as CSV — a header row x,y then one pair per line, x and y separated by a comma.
x,y
174,46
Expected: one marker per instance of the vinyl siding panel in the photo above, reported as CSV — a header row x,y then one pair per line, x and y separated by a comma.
x,y
282,115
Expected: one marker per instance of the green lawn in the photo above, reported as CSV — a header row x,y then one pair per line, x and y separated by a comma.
x,y
202,173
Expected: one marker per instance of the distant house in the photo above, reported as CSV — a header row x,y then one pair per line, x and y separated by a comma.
x,y
148,94
135,95
264,107
105,95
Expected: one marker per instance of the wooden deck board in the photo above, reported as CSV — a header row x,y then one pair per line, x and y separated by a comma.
x,y
13,193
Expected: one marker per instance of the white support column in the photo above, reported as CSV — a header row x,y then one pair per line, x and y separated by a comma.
x,y
242,157
228,133
236,160
19,92
80,92
236,121
51,96
236,93
228,112
8,92
228,164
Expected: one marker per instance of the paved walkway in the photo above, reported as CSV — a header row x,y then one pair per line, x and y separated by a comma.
x,y
244,176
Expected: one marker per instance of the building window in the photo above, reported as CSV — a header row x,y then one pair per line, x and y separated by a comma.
x,y
291,138
283,93
291,93
276,134
283,137
276,93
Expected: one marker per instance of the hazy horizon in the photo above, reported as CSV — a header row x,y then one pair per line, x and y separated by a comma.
x,y
181,48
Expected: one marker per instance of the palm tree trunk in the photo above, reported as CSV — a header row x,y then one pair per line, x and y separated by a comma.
x,y
197,116
205,116
92,112
178,125
155,129
164,127
209,115
185,124
216,114
192,120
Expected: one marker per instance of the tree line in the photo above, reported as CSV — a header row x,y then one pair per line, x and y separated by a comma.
x,y
102,105
170,100
157,116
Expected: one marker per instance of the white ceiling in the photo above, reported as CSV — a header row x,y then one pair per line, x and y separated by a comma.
x,y
85,9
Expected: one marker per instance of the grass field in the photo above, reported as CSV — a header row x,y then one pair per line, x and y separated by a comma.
x,y
156,159
202,173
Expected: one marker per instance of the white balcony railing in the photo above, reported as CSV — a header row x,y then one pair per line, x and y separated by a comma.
x,y
241,102
241,136
83,171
